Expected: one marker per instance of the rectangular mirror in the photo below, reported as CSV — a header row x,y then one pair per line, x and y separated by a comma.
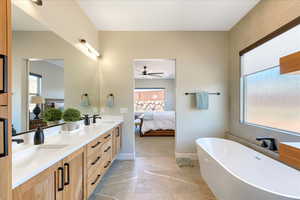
x,y
48,72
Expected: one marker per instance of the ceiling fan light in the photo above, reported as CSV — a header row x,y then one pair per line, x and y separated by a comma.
x,y
38,2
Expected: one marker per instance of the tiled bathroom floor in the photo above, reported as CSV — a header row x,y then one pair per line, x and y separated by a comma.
x,y
154,175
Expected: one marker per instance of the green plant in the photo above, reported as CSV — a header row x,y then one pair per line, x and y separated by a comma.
x,y
52,114
71,115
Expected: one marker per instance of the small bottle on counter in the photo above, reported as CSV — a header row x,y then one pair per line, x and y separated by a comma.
x,y
39,137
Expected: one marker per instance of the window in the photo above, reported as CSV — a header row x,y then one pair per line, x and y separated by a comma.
x,y
270,99
149,100
35,88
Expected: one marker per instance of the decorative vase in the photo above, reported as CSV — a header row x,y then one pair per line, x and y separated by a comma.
x,y
70,126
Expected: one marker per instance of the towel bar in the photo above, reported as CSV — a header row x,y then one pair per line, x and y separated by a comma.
x,y
213,93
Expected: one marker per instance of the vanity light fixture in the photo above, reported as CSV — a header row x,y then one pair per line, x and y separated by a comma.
x,y
89,47
38,2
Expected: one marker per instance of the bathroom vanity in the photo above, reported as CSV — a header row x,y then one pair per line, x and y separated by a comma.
x,y
71,165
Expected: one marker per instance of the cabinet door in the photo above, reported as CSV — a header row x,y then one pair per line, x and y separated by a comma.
x,y
48,185
75,176
5,108
3,27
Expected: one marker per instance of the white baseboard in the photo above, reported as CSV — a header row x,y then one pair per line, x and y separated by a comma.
x,y
126,156
192,156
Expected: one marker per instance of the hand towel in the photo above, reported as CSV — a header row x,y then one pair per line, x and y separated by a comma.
x,y
202,100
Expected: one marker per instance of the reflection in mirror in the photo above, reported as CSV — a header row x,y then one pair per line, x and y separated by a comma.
x,y
38,83
45,89
48,72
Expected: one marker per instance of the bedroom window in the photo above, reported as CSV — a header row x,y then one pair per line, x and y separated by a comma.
x,y
149,99
269,99
35,88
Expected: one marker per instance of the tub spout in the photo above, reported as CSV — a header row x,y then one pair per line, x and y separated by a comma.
x,y
272,145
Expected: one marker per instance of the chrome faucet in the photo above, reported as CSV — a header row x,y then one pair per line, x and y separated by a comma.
x,y
272,145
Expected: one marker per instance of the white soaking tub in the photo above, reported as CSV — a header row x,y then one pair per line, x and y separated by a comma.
x,y
236,172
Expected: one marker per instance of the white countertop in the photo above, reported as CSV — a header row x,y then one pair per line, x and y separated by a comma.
x,y
292,144
32,160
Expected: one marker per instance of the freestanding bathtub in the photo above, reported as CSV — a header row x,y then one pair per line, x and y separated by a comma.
x,y
236,172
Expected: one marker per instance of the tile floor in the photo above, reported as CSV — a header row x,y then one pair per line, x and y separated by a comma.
x,y
154,175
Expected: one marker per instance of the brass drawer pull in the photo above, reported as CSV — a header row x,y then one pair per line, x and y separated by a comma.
x,y
107,136
98,158
106,166
108,148
93,183
97,144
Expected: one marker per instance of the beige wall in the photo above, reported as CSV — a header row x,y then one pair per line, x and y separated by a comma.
x,y
81,73
168,85
265,18
201,64
63,17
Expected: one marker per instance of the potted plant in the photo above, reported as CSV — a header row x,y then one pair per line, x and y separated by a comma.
x,y
71,117
52,116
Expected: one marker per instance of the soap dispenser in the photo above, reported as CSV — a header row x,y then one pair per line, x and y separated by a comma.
x,y
39,137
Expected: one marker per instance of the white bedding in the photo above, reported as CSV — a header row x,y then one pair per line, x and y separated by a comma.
x,y
159,121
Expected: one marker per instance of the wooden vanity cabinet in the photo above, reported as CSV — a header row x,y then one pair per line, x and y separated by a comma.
x,y
48,185
74,176
77,175
63,181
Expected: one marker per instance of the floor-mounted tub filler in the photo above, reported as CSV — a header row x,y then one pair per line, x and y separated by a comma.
x,y
236,172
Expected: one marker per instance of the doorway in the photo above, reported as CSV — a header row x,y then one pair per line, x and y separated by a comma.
x,y
155,107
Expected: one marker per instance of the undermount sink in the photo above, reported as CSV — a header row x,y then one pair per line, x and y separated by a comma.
x,y
27,155
52,146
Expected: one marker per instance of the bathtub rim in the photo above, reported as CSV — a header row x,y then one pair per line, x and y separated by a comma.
x,y
238,177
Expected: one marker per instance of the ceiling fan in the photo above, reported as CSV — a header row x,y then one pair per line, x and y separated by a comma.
x,y
155,74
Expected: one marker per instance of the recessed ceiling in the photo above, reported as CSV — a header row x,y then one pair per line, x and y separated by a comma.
x,y
23,22
166,15
166,66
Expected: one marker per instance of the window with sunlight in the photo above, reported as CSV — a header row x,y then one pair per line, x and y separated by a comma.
x,y
270,99
35,81
149,100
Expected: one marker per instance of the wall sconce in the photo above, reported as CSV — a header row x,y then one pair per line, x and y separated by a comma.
x,y
38,2
85,101
89,47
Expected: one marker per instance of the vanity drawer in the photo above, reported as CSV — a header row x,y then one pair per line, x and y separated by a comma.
x,y
106,147
94,163
107,136
93,181
107,160
95,146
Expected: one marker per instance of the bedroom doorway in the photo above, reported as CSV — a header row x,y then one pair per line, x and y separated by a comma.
x,y
155,107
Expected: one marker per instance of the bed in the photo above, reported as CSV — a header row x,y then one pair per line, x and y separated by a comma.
x,y
157,124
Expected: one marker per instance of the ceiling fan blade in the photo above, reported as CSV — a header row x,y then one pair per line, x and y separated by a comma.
x,y
156,73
